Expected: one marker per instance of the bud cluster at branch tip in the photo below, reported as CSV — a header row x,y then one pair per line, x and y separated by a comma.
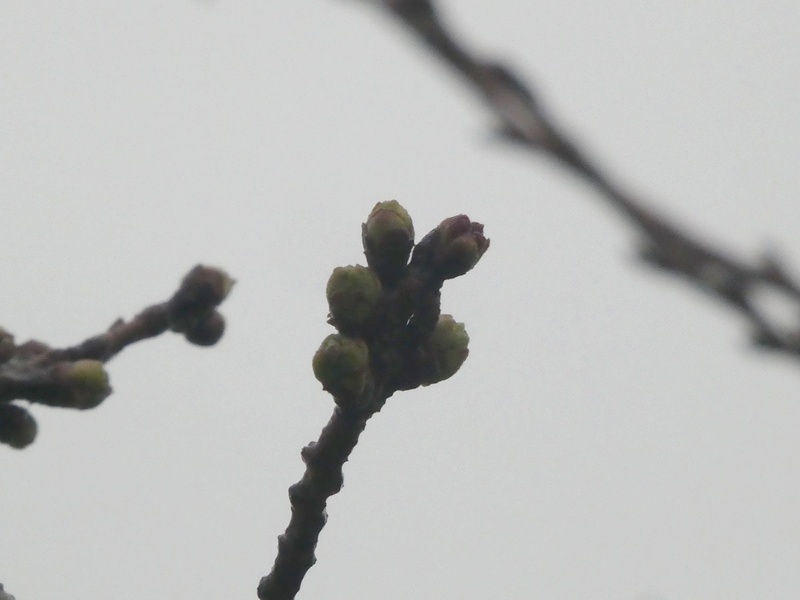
x,y
207,286
193,307
391,333
206,330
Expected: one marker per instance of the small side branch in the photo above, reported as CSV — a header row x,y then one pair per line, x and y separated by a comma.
x,y
523,121
74,377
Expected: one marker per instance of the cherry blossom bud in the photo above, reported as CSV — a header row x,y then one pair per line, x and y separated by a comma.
x,y
207,285
353,292
459,246
388,236
88,383
17,427
205,330
447,349
201,290
341,365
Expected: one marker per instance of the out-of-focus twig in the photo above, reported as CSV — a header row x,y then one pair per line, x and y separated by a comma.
x,y
74,377
522,120
323,478
4,595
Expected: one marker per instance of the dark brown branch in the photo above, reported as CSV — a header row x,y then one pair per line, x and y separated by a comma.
x,y
323,478
664,244
74,377
191,311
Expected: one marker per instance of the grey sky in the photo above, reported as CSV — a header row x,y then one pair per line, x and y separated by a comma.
x,y
611,435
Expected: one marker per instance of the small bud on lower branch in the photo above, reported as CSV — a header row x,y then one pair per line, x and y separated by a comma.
x,y
205,330
87,382
74,377
206,285
191,308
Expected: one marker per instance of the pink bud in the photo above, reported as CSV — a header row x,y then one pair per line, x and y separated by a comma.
x,y
460,246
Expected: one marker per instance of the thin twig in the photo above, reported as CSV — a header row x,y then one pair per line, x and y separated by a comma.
x,y
191,311
664,244
74,377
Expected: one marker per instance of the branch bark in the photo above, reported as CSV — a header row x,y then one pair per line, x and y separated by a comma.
x,y
74,377
323,478
664,244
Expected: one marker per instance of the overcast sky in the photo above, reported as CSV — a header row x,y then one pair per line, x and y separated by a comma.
x,y
611,435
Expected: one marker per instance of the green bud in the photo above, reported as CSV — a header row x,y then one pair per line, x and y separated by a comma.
x,y
341,365
202,289
447,349
353,292
88,383
205,330
17,427
388,236
388,220
207,285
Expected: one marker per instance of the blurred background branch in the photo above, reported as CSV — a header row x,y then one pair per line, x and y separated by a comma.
x,y
74,377
663,244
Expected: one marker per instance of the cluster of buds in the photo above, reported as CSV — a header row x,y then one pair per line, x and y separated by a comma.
x,y
192,310
391,334
76,378
79,384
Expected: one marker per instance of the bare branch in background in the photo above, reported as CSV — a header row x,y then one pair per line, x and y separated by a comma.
x,y
4,595
75,378
663,244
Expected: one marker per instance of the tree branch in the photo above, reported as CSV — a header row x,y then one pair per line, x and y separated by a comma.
x,y
323,478
391,337
74,377
663,244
